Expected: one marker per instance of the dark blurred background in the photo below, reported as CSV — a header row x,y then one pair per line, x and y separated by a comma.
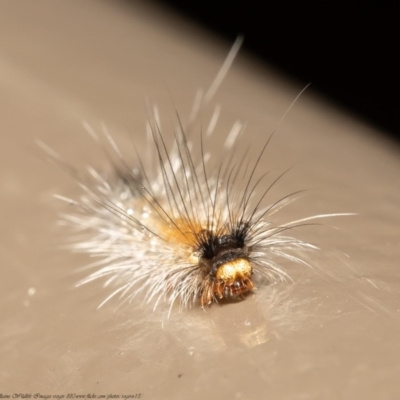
x,y
348,50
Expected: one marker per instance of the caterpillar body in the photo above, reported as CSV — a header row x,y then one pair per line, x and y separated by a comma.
x,y
180,223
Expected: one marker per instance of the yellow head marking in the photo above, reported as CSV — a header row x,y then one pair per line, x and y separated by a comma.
x,y
233,271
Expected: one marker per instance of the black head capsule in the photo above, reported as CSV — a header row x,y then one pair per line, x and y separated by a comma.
x,y
226,260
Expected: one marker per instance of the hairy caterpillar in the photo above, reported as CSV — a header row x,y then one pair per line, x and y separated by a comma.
x,y
181,224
